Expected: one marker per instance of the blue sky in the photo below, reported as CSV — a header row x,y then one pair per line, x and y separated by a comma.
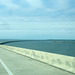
x,y
37,19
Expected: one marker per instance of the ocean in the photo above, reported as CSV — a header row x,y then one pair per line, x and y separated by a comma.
x,y
63,47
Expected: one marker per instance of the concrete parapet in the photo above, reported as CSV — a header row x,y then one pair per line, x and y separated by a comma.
x,y
61,61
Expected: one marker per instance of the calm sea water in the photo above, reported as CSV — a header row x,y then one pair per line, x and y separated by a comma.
x,y
64,47
2,40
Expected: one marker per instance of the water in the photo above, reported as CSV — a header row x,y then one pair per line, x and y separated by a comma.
x,y
64,47
2,40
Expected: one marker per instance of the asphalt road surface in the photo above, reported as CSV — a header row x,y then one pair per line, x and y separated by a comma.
x,y
15,64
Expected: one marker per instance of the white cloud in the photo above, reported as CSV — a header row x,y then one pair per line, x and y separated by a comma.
x,y
49,10
37,34
62,4
35,3
58,4
9,4
34,23
69,11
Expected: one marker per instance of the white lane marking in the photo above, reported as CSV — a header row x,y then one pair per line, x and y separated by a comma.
x,y
6,68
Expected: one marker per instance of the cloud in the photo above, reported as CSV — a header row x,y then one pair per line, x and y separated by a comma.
x,y
66,15
56,4
55,10
38,16
35,3
62,4
9,4
34,23
37,34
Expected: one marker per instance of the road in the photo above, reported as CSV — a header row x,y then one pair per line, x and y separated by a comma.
x,y
15,64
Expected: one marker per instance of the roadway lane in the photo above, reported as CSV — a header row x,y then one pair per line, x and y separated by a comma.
x,y
16,64
2,70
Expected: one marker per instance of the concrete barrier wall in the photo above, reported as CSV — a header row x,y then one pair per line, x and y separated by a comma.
x,y
61,61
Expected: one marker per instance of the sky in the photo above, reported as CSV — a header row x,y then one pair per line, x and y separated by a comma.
x,y
37,19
